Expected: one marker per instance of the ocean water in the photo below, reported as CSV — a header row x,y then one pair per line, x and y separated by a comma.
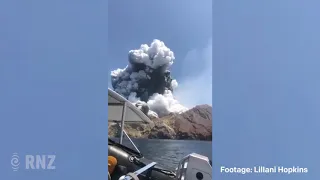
x,y
168,153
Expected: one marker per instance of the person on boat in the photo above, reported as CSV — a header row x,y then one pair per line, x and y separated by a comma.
x,y
112,162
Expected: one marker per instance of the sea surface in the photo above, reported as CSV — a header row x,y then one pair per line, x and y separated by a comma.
x,y
168,153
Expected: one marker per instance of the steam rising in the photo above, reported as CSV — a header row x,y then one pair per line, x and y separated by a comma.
x,y
146,80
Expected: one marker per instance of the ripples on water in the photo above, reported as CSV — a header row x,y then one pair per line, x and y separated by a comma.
x,y
168,153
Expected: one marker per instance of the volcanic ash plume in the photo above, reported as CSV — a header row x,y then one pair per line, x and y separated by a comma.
x,y
146,81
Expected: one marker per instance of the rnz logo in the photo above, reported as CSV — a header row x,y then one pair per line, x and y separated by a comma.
x,y
40,161
45,162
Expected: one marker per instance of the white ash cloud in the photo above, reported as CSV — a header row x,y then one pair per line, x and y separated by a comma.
x,y
146,80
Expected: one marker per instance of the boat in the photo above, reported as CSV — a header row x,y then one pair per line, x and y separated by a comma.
x,y
125,163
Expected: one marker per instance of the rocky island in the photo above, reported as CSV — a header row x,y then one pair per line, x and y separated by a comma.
x,y
193,124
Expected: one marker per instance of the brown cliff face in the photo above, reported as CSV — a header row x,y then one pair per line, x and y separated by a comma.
x,y
195,124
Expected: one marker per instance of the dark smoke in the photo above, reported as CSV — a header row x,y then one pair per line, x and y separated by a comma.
x,y
146,81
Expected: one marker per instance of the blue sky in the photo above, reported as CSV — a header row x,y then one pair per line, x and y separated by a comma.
x,y
184,26
266,86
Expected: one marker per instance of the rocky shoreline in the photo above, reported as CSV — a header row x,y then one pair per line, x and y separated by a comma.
x,y
194,124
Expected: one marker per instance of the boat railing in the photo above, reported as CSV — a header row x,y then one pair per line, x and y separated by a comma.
x,y
120,110
121,139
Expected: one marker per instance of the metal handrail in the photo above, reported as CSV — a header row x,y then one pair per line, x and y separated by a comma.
x,y
131,141
125,133
122,128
